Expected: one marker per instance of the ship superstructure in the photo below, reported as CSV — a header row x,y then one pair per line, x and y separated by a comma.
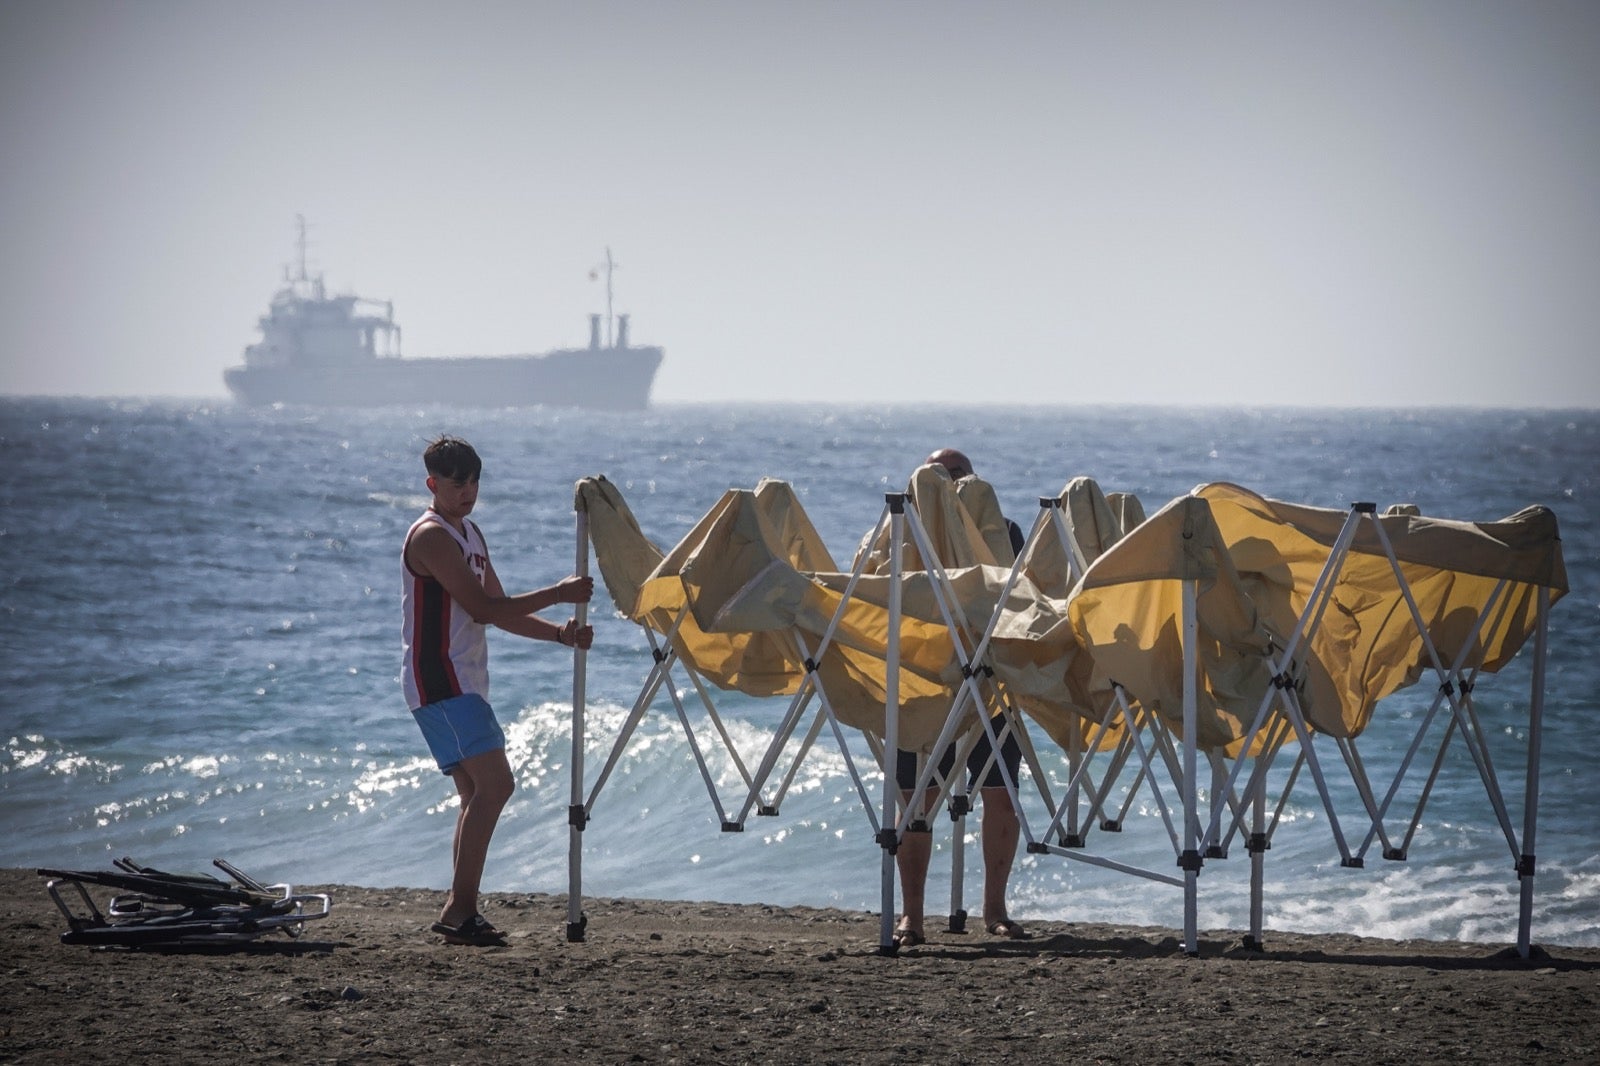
x,y
344,350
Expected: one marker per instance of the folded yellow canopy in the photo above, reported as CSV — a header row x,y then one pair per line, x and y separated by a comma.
x,y
1127,613
752,589
756,591
1369,644
962,519
746,606
1257,561
1072,708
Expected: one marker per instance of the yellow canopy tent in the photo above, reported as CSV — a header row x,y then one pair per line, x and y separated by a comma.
x,y
748,594
1258,562
1077,707
1278,597
1369,643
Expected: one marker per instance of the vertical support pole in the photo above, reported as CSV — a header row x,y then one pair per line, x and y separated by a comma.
x,y
1258,866
1530,799
962,801
1190,859
888,833
576,816
1076,834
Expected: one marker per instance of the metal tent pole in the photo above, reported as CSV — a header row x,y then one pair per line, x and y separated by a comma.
x,y
1530,803
576,817
1190,859
1258,867
888,833
960,804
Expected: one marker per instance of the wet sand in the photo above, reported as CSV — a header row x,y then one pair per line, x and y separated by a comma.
x,y
674,982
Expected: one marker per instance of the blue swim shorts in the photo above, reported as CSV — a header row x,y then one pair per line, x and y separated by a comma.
x,y
459,728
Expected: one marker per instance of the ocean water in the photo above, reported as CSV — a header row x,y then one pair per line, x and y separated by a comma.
x,y
201,634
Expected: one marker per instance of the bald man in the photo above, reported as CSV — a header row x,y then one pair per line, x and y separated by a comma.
x,y
956,462
1001,828
960,466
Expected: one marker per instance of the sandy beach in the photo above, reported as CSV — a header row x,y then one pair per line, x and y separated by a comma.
x,y
675,982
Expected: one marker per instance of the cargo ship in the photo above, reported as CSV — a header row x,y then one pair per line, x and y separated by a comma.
x,y
344,351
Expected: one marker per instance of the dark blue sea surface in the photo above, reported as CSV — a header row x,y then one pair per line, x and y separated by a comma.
x,y
200,620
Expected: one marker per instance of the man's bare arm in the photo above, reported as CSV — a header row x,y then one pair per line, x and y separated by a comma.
x,y
434,553
568,633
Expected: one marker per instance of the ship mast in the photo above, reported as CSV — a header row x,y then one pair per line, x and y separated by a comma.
x,y
610,337
300,245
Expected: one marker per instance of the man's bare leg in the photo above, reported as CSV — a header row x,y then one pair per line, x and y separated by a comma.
x,y
912,858
485,783
1001,831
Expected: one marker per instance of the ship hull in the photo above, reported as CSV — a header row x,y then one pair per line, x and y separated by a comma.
x,y
616,379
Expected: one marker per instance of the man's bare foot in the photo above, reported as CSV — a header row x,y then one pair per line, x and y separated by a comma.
x,y
475,931
1007,928
908,935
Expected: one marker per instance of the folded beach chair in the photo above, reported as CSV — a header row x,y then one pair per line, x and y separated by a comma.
x,y
154,907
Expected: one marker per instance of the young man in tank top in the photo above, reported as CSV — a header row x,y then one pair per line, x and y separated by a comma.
x,y
450,595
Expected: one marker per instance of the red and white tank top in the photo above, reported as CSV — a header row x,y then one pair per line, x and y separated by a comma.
x,y
445,651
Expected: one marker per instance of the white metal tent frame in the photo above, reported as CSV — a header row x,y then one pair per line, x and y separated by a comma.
x,y
1280,720
1150,746
664,660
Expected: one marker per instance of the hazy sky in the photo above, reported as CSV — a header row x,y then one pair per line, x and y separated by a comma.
x,y
1185,202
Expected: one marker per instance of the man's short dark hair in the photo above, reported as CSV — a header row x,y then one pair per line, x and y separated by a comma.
x,y
452,458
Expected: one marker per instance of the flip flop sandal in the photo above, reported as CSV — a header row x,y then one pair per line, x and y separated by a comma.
x,y
1007,928
908,938
475,932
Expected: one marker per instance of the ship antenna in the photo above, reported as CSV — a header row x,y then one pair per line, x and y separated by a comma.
x,y
610,338
300,244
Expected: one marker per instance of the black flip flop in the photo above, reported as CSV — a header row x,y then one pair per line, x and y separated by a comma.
x,y
474,932
908,938
1008,929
